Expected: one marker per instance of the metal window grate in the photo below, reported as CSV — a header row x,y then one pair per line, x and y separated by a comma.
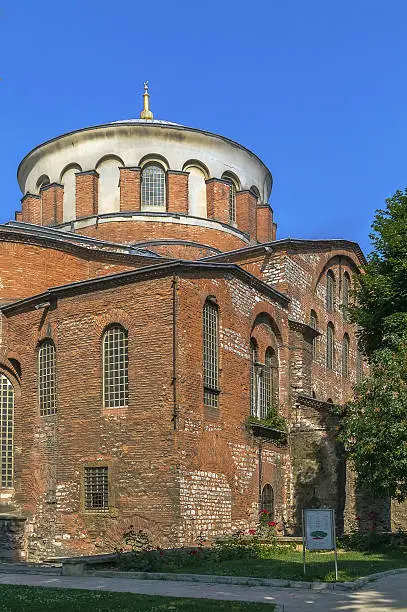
x,y
47,378
330,346
253,378
267,500
153,187
345,294
232,201
345,355
267,387
211,353
330,290
96,488
314,325
115,367
359,366
6,430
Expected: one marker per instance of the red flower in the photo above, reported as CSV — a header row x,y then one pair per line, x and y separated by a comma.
x,y
358,518
271,523
161,553
252,531
194,552
263,512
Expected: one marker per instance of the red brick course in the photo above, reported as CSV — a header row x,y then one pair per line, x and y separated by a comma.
x,y
177,196
130,189
87,193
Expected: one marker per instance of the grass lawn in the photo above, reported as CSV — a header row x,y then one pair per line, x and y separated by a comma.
x,y
41,599
287,564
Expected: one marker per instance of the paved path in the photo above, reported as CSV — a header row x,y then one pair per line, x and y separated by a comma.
x,y
385,595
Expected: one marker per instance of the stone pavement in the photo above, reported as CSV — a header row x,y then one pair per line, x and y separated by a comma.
x,y
387,594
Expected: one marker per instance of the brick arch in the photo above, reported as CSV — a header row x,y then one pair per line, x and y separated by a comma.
x,y
322,268
111,317
8,372
266,310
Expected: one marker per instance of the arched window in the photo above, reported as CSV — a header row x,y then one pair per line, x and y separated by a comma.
x,y
345,294
313,321
115,367
47,378
267,500
108,169
330,336
197,175
42,182
153,187
68,180
211,353
345,355
6,430
253,377
330,290
359,365
268,398
232,195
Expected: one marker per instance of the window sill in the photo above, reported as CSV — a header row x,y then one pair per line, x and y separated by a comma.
x,y
268,433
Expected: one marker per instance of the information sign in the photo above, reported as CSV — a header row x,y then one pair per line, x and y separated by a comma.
x,y
318,532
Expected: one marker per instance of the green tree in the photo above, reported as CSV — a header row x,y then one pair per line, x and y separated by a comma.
x,y
382,290
374,426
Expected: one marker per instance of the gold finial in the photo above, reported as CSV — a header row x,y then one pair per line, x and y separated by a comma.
x,y
146,112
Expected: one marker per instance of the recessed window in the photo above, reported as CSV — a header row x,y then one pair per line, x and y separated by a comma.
x,y
267,500
153,187
345,355
233,188
96,488
330,336
330,290
115,367
211,353
6,430
313,321
47,378
345,294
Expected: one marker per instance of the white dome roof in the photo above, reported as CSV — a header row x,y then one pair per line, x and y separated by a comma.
x,y
150,121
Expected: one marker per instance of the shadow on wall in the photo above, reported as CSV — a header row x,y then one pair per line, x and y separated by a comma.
x,y
319,469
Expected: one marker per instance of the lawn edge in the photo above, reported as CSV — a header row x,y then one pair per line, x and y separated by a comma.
x,y
247,580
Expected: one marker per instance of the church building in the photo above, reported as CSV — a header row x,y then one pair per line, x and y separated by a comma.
x,y
166,361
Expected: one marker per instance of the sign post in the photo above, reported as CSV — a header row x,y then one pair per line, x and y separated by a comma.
x,y
318,533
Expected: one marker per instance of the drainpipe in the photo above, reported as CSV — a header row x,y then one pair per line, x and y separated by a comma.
x,y
174,349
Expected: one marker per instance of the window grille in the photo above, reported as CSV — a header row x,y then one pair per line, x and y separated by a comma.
x,y
47,378
253,377
267,399
267,500
330,290
153,187
330,346
211,353
115,367
359,366
345,355
6,430
96,488
232,200
314,325
345,295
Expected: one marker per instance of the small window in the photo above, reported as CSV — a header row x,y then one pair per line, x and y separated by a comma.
x,y
232,181
115,367
330,336
345,295
211,353
47,378
359,366
96,488
345,355
267,500
253,377
313,321
330,290
6,430
153,192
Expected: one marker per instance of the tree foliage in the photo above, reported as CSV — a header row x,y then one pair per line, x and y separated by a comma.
x,y
382,290
374,425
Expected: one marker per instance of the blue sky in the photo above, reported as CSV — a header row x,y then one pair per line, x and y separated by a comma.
x,y
317,89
